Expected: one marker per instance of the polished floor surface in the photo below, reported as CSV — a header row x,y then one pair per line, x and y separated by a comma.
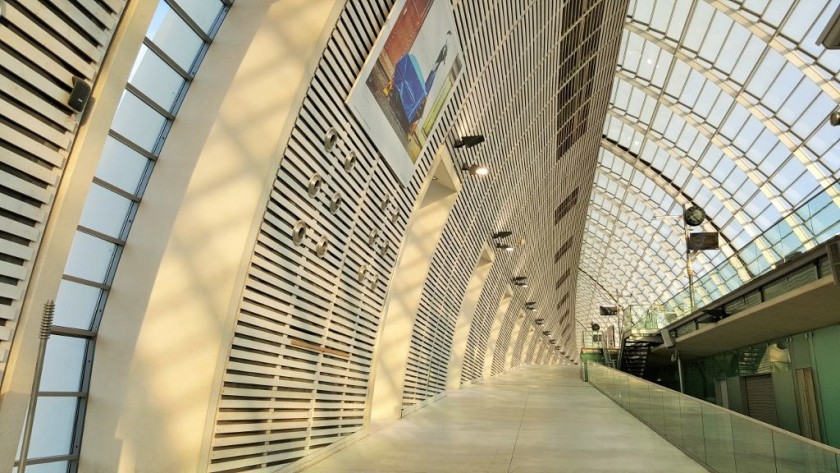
x,y
534,419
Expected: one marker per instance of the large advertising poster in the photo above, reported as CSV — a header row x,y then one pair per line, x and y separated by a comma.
x,y
407,80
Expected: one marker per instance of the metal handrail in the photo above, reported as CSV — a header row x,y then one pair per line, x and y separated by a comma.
x,y
814,456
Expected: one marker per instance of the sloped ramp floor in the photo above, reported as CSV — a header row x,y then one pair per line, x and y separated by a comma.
x,y
534,419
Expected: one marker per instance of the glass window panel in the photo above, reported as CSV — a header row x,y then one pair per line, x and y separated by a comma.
x,y
744,67
63,363
121,166
732,51
105,211
155,78
89,257
766,72
811,118
52,429
715,34
169,32
138,122
202,12
75,304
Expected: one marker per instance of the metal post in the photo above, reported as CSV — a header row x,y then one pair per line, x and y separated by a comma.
x,y
690,271
680,372
44,334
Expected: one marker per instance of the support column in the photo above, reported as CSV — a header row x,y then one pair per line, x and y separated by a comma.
x,y
436,199
465,318
504,305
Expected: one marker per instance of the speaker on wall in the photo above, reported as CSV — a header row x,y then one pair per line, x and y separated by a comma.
x,y
79,95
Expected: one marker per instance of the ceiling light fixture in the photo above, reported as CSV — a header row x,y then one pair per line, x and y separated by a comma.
x,y
504,246
469,141
834,117
476,169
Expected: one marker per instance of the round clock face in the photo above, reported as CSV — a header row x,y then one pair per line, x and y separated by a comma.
x,y
694,216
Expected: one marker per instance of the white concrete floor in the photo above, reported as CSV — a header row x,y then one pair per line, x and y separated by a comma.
x,y
534,419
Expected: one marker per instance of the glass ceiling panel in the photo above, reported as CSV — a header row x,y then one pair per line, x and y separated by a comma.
x,y
722,104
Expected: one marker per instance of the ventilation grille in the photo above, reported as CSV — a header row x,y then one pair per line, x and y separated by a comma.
x,y
577,73
564,249
568,204
563,278
43,47
563,300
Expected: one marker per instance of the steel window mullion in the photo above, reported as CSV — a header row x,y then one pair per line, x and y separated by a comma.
x,y
72,332
116,190
189,21
50,459
62,394
86,282
167,59
134,146
100,235
148,101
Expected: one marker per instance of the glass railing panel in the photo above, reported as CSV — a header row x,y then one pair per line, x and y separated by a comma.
x,y
671,408
795,456
753,445
717,429
639,398
692,427
722,440
657,409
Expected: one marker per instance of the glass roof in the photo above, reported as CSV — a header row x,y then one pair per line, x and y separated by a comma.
x,y
720,104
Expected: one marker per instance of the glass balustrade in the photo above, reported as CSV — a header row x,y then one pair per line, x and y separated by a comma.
x,y
723,440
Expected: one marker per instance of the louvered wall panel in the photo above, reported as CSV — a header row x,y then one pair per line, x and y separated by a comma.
x,y
528,191
44,45
299,365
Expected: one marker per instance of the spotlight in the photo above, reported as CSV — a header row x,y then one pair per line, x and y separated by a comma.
x,y
546,332
469,141
552,341
476,169
502,234
834,117
504,246
539,321
830,37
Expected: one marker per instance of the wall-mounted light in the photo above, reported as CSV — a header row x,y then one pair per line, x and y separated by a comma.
x,y
469,141
500,235
476,169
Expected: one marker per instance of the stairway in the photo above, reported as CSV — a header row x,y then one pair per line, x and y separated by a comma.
x,y
635,348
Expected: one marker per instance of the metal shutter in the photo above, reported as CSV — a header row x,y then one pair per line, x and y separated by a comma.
x,y
761,399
